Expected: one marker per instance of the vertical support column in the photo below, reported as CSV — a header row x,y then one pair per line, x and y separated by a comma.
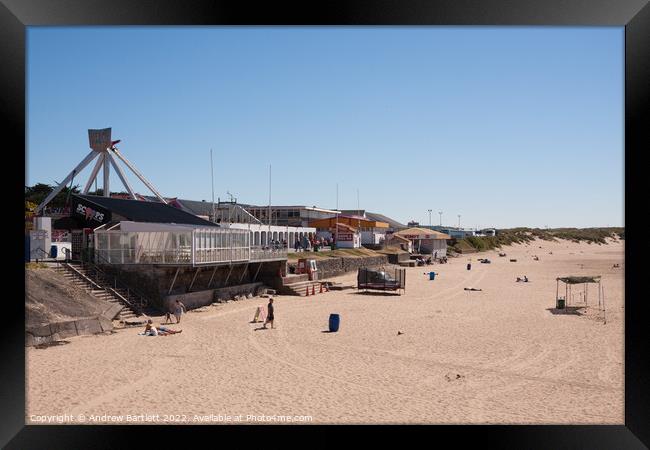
x,y
107,173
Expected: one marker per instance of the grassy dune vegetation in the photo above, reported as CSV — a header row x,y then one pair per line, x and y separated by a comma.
x,y
523,235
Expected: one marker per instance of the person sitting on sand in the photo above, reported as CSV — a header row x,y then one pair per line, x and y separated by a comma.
x,y
150,330
525,279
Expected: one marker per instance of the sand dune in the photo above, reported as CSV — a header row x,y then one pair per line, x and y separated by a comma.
x,y
495,356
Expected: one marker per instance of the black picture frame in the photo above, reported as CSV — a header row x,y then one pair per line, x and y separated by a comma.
x,y
634,15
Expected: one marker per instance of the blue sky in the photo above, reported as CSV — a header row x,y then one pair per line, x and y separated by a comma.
x,y
506,126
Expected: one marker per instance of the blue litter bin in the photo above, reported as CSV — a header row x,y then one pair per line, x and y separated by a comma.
x,y
432,276
53,251
334,323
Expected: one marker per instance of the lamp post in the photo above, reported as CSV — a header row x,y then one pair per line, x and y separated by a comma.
x,y
429,217
459,221
440,213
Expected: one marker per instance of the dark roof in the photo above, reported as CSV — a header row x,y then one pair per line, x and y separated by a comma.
x,y
353,212
381,218
140,211
196,207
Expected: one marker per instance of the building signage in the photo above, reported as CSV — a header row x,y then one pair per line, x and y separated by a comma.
x,y
344,236
99,140
417,236
90,213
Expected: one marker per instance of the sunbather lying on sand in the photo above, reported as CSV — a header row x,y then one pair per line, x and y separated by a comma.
x,y
473,289
150,330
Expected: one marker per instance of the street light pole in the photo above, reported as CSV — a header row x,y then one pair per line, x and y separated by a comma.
x,y
440,213
459,221
429,217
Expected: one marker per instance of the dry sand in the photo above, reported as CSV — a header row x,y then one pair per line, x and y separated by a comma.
x,y
495,356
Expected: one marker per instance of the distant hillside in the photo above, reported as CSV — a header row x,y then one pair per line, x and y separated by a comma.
x,y
523,235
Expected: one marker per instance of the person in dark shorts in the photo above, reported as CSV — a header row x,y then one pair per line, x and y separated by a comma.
x,y
269,316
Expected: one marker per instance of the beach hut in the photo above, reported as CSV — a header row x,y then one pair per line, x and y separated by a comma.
x,y
397,240
371,232
426,241
569,296
344,235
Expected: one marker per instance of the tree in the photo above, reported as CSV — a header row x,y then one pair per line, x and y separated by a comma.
x,y
38,193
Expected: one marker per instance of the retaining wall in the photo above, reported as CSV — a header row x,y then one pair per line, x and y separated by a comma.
x,y
46,334
332,267
154,281
193,300
396,258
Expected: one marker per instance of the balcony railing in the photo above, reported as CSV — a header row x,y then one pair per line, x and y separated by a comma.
x,y
267,253
195,248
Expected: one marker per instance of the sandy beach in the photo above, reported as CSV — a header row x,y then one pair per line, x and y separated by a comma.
x,y
495,356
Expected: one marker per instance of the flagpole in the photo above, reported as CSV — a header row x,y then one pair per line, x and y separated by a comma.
x,y
267,236
212,177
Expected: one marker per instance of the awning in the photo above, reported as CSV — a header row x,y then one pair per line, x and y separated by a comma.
x,y
579,280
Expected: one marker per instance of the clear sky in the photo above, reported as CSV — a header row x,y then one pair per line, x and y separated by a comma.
x,y
506,126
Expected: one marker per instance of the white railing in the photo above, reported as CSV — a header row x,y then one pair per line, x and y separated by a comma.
x,y
265,253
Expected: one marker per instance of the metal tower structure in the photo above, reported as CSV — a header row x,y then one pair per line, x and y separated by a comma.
x,y
107,155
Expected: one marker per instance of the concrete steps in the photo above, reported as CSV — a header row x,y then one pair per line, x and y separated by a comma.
x,y
303,288
78,280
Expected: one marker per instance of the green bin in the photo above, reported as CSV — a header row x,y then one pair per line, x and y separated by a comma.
x,y
560,303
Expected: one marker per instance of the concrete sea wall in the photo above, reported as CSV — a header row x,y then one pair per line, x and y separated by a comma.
x,y
332,267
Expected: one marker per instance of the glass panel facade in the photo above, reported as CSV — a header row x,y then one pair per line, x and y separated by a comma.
x,y
191,247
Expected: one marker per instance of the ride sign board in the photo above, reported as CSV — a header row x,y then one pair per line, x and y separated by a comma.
x,y
99,140
90,213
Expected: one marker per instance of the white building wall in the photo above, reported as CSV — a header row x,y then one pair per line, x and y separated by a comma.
x,y
259,232
372,237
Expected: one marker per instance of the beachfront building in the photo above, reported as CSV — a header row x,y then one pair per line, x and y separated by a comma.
x,y
344,236
388,225
270,235
487,232
395,240
453,232
167,252
426,241
233,215
293,216
371,232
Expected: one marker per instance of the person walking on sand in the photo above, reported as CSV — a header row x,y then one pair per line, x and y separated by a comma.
x,y
179,309
269,316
